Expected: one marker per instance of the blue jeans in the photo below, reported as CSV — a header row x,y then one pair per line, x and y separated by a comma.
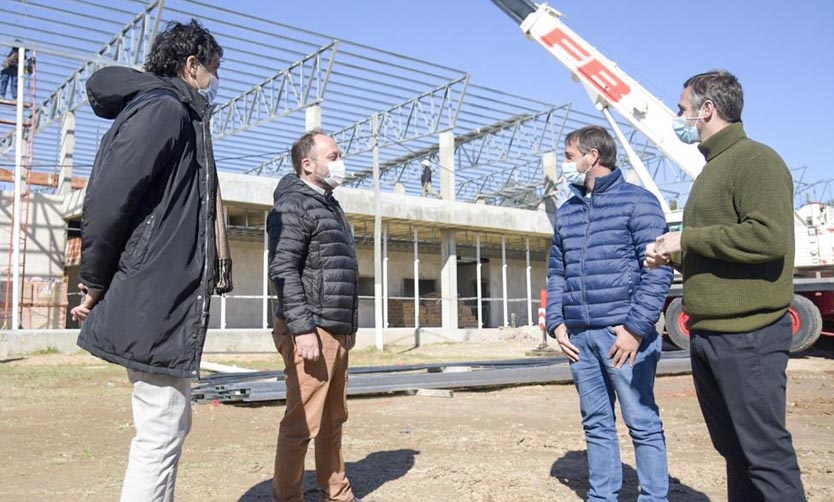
x,y
599,384
6,78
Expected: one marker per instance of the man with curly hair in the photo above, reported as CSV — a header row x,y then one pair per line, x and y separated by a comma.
x,y
154,247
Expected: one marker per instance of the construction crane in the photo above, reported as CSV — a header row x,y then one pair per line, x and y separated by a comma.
x,y
611,88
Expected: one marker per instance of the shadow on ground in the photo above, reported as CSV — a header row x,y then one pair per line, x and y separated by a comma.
x,y
572,471
366,476
824,347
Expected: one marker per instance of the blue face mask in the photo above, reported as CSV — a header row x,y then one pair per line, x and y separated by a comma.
x,y
570,171
210,92
687,133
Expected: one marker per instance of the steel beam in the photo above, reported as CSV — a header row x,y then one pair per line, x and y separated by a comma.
x,y
127,48
429,113
299,86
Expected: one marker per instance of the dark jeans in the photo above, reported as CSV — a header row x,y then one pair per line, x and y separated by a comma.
x,y
740,380
6,78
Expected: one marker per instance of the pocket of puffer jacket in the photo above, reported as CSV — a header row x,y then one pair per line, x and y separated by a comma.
x,y
142,246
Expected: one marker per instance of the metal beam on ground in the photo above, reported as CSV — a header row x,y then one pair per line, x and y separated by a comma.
x,y
259,387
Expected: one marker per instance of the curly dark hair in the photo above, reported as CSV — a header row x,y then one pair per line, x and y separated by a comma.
x,y
172,47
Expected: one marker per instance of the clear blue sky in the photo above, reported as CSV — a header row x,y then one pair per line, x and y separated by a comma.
x,y
781,52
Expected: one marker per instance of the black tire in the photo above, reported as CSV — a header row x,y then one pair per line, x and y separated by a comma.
x,y
676,320
806,323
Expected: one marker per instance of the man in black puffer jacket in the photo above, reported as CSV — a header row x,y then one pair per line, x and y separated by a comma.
x,y
149,250
312,262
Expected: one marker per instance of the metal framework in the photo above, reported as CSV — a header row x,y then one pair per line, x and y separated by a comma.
x,y
127,48
272,72
301,85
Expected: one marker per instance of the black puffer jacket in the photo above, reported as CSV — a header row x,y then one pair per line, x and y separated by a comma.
x,y
312,260
148,224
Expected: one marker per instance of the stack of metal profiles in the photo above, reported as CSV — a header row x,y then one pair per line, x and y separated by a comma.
x,y
270,385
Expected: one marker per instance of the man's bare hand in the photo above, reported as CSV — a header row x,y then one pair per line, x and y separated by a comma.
x,y
653,258
668,243
350,341
625,347
568,349
88,301
309,346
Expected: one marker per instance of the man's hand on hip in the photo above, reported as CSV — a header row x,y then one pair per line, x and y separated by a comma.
x,y
625,347
350,341
568,349
308,346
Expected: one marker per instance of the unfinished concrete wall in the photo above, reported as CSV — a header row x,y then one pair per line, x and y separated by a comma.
x,y
47,238
43,292
247,271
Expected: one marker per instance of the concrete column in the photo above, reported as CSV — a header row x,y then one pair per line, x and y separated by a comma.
x,y
312,117
416,282
551,188
222,311
447,166
449,279
18,187
265,278
478,280
504,280
378,316
385,275
66,154
529,282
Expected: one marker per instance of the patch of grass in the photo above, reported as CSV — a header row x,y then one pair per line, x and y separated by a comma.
x,y
55,376
47,351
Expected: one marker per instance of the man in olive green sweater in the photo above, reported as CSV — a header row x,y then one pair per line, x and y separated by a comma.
x,y
736,253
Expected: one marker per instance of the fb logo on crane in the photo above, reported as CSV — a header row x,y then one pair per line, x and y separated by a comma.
x,y
605,80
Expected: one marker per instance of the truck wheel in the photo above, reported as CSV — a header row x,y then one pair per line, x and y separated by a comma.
x,y
676,320
806,323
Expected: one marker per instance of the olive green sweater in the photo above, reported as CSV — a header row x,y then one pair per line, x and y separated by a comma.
x,y
738,236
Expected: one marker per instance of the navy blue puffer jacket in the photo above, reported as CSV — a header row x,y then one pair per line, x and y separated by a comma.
x,y
596,276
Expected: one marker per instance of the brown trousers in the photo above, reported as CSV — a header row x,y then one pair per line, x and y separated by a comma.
x,y
316,408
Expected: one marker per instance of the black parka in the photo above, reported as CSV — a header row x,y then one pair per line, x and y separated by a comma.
x,y
312,260
148,238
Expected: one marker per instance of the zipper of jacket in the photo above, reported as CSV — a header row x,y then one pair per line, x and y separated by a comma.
x,y
204,313
349,233
586,312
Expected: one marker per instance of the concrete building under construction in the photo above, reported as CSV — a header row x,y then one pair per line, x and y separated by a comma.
x,y
431,267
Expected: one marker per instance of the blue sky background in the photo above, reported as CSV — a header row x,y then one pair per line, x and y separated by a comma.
x,y
781,52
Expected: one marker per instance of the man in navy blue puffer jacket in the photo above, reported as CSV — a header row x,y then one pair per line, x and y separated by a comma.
x,y
602,308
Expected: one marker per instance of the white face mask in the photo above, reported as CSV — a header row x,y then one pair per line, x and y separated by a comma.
x,y
337,173
210,92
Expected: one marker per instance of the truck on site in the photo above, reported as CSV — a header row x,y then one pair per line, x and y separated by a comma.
x,y
609,87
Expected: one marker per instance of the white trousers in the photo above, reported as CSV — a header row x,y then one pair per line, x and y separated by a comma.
x,y
162,417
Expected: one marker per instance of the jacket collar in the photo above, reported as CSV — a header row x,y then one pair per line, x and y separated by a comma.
x,y
602,184
190,96
722,140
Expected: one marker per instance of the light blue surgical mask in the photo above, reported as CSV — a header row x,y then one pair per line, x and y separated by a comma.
x,y
571,174
687,133
210,92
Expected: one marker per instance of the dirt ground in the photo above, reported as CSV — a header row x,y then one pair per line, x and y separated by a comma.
x,y
65,427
